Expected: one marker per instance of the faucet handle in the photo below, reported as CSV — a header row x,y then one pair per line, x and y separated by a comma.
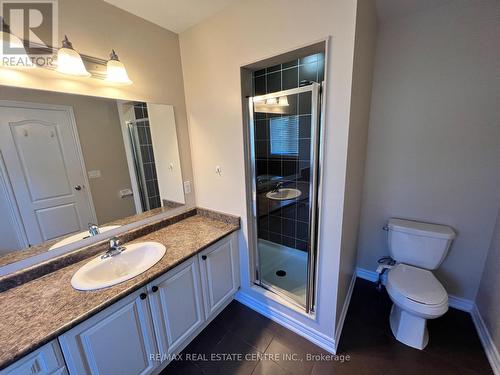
x,y
93,229
114,243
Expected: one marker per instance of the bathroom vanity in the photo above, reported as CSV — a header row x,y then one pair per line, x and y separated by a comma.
x,y
48,327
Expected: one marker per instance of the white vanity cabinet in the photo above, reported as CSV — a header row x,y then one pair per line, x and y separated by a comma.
x,y
118,340
136,334
176,305
47,360
219,274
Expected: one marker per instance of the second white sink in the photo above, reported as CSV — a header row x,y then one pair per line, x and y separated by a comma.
x,y
101,273
284,194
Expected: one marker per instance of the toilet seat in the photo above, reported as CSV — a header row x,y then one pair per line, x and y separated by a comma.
x,y
417,290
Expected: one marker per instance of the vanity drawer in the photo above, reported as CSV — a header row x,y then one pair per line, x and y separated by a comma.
x,y
46,360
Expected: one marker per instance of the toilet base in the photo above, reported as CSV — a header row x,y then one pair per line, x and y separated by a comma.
x,y
409,329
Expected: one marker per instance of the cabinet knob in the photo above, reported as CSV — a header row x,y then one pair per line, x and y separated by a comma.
x,y
143,295
154,288
204,257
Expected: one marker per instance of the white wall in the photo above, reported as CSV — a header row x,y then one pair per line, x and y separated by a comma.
x,y
488,296
212,54
434,138
364,56
166,151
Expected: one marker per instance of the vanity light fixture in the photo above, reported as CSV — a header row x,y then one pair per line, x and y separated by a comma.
x,y
69,61
116,72
19,58
272,101
283,101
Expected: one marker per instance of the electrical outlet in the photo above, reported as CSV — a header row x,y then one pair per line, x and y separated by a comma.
x,y
187,187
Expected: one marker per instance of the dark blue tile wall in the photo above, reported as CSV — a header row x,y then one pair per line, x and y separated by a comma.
x,y
287,224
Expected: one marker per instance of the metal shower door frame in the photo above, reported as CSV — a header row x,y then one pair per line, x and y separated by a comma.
x,y
316,131
137,159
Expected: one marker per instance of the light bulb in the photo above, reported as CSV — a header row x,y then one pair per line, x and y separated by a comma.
x,y
116,72
283,101
69,61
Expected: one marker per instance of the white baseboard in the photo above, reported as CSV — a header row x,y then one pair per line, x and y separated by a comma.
x,y
461,303
487,341
343,313
456,302
365,274
318,338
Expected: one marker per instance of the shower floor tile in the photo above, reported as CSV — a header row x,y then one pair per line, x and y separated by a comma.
x,y
274,259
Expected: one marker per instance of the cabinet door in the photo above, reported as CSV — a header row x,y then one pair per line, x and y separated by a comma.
x,y
219,269
119,340
46,360
176,305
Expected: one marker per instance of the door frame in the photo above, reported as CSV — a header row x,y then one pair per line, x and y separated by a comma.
x,y
315,190
129,153
74,131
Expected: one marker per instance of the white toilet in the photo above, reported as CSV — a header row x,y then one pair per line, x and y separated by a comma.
x,y
417,295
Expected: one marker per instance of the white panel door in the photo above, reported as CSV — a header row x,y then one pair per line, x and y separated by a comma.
x,y
40,148
119,340
220,276
176,305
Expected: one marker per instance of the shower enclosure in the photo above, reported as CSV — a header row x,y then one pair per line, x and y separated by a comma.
x,y
144,163
284,132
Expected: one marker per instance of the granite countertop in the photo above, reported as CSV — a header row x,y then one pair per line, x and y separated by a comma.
x,y
38,311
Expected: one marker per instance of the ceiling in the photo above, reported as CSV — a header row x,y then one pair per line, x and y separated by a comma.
x,y
388,9
174,15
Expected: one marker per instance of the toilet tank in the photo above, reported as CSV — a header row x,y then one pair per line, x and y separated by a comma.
x,y
419,244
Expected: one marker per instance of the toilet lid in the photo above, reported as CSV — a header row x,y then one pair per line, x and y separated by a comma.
x,y
417,284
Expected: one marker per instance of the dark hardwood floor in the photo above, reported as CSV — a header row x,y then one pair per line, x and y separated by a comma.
x,y
233,342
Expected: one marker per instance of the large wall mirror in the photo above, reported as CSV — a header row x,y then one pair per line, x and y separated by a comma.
x,y
72,167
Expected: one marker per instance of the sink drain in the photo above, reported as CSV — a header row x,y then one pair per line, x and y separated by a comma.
x,y
281,273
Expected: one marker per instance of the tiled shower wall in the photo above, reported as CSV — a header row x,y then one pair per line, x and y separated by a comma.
x,y
148,160
288,223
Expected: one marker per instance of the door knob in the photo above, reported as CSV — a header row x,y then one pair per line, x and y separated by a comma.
x,y
78,187
204,257
143,295
154,288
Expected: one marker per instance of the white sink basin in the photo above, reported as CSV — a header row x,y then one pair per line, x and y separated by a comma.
x,y
134,260
284,194
80,236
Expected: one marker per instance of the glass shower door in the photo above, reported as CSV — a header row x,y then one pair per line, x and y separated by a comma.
x,y
284,146
144,163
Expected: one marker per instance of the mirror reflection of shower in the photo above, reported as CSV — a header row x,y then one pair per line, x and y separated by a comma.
x,y
144,160
284,142
153,155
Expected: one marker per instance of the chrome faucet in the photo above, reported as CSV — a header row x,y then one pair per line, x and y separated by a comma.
x,y
114,248
93,229
277,187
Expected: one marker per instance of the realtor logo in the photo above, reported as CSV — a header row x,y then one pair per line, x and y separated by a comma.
x,y
29,27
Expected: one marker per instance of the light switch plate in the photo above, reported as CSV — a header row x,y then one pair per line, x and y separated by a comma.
x,y
94,174
187,187
126,193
